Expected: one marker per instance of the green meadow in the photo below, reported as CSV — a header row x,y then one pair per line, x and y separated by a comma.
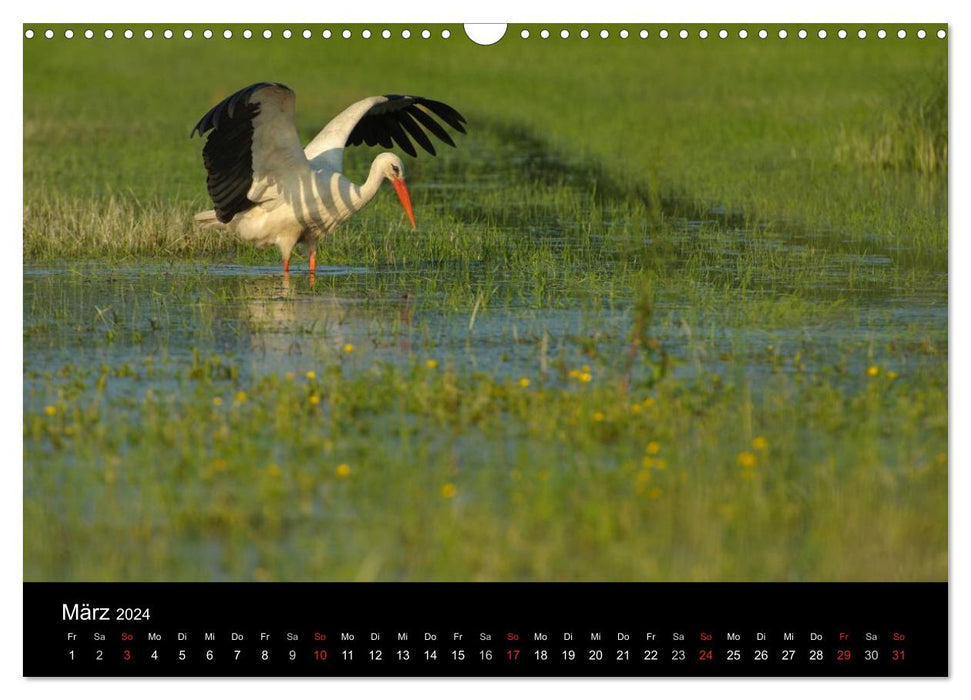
x,y
675,310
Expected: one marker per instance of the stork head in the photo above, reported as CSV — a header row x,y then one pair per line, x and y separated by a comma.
x,y
394,170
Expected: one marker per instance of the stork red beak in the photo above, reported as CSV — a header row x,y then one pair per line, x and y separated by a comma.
x,y
402,189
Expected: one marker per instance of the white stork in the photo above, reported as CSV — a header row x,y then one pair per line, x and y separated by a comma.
x,y
270,190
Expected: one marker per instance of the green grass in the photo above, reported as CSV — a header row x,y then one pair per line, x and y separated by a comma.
x,y
720,266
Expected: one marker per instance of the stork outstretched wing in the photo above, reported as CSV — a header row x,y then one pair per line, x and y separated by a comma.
x,y
253,147
384,120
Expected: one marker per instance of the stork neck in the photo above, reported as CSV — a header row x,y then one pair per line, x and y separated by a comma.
x,y
362,194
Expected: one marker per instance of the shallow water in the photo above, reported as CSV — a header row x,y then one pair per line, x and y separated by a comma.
x,y
160,319
265,321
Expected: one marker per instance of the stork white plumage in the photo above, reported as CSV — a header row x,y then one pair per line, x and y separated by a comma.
x,y
270,190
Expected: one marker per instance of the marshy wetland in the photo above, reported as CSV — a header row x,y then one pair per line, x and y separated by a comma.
x,y
673,311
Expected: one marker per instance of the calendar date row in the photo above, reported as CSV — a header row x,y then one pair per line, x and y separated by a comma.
x,y
569,655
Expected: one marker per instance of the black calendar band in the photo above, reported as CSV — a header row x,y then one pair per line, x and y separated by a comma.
x,y
486,629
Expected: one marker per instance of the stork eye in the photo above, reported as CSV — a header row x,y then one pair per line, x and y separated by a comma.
x,y
394,168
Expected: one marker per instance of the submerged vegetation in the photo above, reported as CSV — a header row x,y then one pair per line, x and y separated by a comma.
x,y
688,323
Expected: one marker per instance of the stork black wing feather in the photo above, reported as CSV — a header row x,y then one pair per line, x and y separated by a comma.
x,y
228,154
233,191
393,103
369,134
399,116
356,137
447,114
398,134
374,136
382,132
227,107
221,187
228,158
408,122
432,125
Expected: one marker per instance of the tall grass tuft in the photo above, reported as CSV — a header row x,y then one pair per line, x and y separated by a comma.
x,y
115,225
913,138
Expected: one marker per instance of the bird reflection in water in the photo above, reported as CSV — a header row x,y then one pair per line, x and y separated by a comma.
x,y
289,315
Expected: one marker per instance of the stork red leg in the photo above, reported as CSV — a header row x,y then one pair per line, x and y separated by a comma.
x,y
286,265
313,260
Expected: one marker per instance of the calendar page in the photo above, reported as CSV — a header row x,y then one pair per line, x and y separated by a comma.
x,y
488,350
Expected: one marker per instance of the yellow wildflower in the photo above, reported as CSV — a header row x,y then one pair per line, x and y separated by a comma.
x,y
289,376
653,447
217,401
760,443
873,371
348,348
343,470
51,410
653,463
892,375
449,490
431,364
240,396
654,493
635,408
314,399
746,460
585,377
524,382
311,375
598,416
